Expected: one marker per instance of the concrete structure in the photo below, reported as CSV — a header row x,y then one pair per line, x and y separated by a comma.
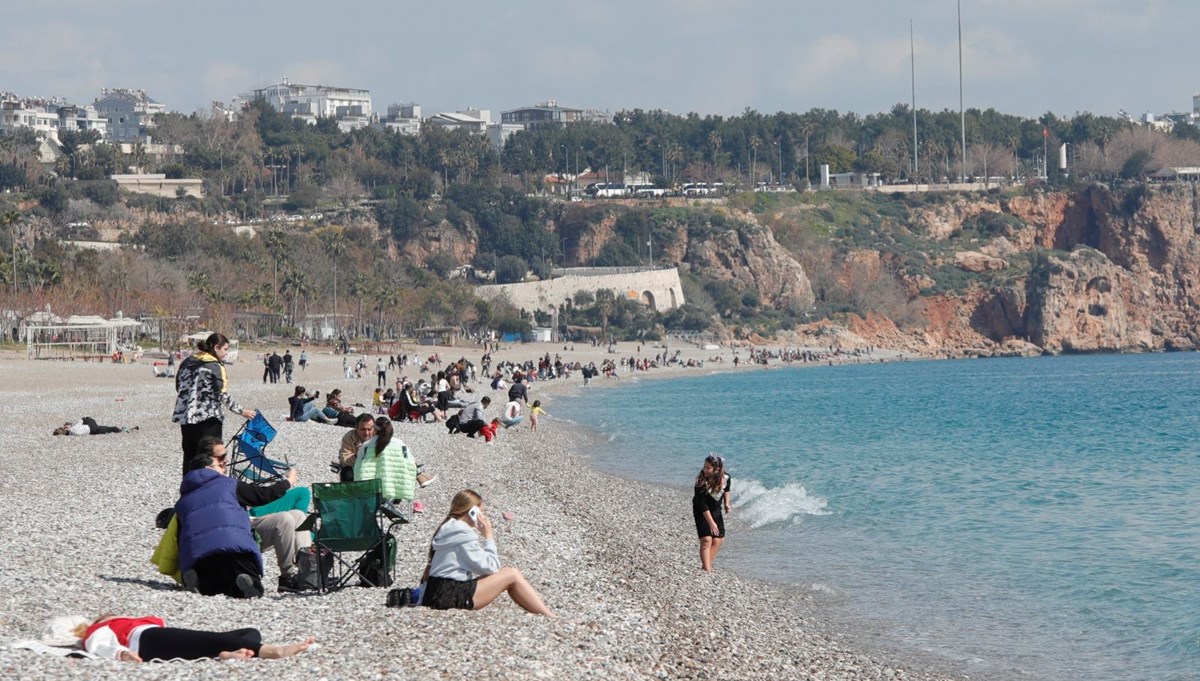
x,y
157,184
498,133
658,289
130,114
350,107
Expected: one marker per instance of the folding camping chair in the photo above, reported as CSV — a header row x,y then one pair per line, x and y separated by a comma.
x,y
246,458
353,518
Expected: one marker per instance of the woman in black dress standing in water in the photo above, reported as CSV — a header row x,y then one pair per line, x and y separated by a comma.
x,y
712,493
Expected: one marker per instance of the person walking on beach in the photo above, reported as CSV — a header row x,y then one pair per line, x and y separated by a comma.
x,y
711,494
380,372
464,570
303,359
201,388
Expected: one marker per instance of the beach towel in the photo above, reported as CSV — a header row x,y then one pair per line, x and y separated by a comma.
x,y
166,555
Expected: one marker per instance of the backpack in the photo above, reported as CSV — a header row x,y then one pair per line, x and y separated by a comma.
x,y
370,566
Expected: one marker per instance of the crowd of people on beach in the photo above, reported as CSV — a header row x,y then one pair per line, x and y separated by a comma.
x,y
209,544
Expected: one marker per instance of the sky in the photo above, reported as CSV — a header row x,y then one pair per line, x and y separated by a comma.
x,y
1023,57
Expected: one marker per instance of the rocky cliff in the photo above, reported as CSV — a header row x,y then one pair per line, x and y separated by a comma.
x,y
1111,271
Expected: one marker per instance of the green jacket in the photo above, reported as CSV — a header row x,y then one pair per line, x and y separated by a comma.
x,y
395,469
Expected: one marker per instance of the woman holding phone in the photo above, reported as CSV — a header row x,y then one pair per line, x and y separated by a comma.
x,y
464,570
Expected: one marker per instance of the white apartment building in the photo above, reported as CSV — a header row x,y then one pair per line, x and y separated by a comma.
x,y
350,107
403,118
47,117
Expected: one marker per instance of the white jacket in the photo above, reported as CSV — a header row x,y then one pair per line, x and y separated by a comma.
x,y
459,553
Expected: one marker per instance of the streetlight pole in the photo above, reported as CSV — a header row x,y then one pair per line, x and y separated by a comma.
x,y
779,181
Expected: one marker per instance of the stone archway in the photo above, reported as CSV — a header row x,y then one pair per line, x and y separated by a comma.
x,y
648,299
674,300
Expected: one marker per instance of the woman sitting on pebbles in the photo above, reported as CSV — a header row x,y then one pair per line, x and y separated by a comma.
x,y
464,570
142,639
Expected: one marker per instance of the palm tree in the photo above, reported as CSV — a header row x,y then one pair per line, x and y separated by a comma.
x,y
360,288
277,247
295,287
10,220
335,246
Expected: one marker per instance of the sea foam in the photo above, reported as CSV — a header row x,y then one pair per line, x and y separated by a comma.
x,y
760,505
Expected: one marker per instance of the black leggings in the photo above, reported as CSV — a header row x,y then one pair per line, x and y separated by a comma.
x,y
217,574
98,429
192,432
168,643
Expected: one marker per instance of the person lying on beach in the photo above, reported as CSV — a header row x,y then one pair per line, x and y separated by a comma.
x,y
143,639
88,426
464,569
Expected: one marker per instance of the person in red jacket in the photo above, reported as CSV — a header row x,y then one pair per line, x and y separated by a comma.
x,y
141,639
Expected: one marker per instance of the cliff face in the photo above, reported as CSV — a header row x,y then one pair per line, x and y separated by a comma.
x,y
752,259
1114,271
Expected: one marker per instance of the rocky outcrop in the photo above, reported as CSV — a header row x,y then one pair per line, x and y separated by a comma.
x,y
973,261
1085,303
750,257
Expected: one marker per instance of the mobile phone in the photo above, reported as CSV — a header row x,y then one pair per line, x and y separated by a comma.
x,y
473,514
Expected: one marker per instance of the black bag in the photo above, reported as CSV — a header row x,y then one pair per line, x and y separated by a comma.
x,y
164,517
311,571
371,566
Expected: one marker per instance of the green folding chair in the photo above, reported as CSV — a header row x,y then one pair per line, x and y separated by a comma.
x,y
349,519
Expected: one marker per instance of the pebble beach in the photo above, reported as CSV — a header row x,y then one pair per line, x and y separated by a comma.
x,y
615,559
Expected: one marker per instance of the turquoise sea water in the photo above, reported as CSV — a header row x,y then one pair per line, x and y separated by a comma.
x,y
1023,518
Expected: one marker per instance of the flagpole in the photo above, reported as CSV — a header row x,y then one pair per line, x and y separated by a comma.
x,y
962,115
913,54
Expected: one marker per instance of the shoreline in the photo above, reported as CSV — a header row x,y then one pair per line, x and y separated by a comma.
x,y
620,573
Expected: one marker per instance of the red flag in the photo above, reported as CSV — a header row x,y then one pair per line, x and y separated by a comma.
x,y
1045,132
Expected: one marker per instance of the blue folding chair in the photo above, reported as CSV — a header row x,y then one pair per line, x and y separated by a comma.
x,y
247,460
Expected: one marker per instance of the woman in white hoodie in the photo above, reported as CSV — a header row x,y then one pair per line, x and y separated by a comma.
x,y
464,570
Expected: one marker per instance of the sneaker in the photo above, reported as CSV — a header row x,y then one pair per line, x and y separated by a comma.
x,y
191,581
290,584
245,584
425,479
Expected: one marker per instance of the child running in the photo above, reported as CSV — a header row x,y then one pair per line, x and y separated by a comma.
x,y
533,414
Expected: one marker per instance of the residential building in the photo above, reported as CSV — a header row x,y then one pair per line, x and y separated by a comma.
x,y
350,107
46,117
130,113
542,113
404,118
459,121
